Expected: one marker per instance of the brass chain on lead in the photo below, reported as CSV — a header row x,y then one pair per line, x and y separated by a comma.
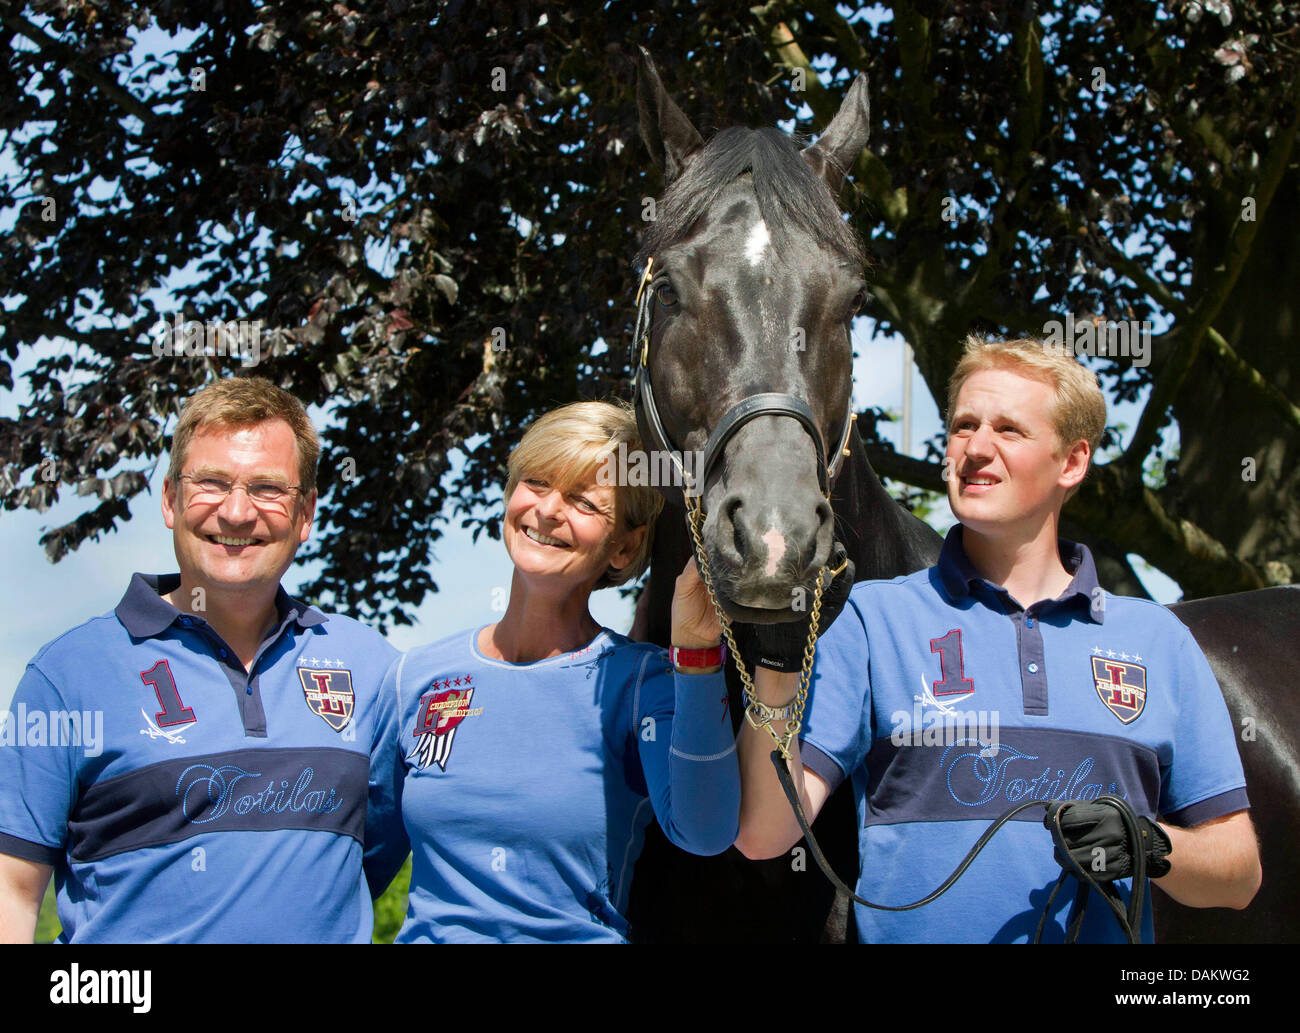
x,y
805,672
747,683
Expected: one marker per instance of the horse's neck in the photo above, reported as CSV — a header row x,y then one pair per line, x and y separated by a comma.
x,y
668,555
883,539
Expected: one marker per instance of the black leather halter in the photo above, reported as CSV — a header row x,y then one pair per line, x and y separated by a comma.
x,y
654,437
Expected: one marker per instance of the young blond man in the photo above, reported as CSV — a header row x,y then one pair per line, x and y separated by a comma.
x,y
222,793
1005,673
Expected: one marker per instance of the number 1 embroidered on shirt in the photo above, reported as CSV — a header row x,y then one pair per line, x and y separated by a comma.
x,y
954,683
173,712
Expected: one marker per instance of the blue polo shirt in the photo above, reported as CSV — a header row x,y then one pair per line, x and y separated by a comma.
x,y
180,798
525,789
946,702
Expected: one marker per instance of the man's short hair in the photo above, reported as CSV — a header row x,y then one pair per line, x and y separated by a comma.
x,y
244,402
1079,411
567,446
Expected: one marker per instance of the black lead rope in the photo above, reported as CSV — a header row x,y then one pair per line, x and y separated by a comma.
x,y
1129,923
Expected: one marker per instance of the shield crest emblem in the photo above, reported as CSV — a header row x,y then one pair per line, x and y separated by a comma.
x,y
329,695
437,718
1122,686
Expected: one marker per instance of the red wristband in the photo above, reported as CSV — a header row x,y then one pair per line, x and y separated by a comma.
x,y
714,656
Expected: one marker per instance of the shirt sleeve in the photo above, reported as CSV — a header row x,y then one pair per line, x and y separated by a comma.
x,y
1204,779
387,844
837,731
38,777
688,754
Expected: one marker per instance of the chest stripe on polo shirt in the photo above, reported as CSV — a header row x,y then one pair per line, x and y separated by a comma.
x,y
251,790
967,779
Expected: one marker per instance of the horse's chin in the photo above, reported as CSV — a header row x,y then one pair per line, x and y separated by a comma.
x,y
750,599
756,614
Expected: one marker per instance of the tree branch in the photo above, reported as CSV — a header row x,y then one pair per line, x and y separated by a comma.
x,y
899,467
1220,349
76,63
852,53
1200,318
869,173
1114,502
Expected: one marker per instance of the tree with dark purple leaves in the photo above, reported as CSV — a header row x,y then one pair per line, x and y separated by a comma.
x,y
424,216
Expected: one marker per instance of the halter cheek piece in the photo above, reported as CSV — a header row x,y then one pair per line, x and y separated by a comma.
x,y
655,437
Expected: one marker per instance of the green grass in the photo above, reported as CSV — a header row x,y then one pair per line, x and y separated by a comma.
x,y
47,923
390,909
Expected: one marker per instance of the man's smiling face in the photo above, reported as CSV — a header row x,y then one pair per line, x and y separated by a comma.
x,y
236,544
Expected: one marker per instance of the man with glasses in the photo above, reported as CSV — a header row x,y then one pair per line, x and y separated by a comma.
x,y
194,766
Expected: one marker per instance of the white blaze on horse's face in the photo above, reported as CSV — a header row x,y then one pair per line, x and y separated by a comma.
x,y
775,542
756,244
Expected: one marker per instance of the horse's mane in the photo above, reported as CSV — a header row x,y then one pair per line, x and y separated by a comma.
x,y
789,195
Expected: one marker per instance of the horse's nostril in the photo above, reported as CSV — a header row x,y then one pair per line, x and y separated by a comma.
x,y
737,530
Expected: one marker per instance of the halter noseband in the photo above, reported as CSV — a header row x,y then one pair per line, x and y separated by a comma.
x,y
773,403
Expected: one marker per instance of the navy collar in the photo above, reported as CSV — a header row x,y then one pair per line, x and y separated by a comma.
x,y
145,613
959,575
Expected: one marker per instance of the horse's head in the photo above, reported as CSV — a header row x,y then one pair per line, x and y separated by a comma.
x,y
754,277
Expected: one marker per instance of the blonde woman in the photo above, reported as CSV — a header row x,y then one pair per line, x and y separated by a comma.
x,y
528,756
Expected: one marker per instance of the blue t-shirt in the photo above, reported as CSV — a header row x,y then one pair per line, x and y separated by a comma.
x,y
181,799
526,788
947,703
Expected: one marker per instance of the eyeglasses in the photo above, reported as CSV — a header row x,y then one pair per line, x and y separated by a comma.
x,y
209,489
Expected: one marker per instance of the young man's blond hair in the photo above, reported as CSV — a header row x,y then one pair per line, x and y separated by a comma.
x,y
1079,411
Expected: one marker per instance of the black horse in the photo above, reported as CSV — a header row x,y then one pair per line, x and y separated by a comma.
x,y
754,278
1245,638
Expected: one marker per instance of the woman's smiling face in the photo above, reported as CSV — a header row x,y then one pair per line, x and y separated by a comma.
x,y
566,533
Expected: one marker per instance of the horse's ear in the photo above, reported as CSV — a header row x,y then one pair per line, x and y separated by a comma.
x,y
667,131
838,147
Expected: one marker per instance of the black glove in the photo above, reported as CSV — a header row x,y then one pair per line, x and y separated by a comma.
x,y
780,647
1086,826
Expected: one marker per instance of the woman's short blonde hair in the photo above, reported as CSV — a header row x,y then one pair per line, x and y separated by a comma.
x,y
244,402
1079,411
566,448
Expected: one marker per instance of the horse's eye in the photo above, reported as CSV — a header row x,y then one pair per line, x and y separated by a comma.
x,y
666,295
